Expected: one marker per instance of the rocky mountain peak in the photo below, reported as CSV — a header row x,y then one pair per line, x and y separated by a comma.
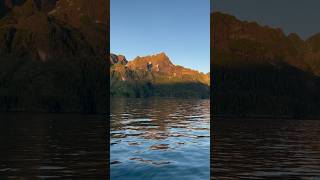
x,y
158,62
161,58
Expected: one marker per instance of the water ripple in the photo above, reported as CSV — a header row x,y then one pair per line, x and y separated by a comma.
x,y
158,136
265,149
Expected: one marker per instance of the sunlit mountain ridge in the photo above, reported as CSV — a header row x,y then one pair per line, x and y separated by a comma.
x,y
156,75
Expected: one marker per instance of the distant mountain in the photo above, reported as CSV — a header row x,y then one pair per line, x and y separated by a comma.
x,y
55,51
155,76
260,71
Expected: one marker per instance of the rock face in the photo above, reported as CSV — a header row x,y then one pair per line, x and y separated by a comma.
x,y
259,71
60,65
155,75
160,63
118,59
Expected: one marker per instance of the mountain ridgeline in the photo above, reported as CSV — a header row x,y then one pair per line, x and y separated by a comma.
x,y
155,76
259,71
52,55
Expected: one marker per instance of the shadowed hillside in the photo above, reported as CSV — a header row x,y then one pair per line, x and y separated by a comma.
x,y
50,60
155,76
260,71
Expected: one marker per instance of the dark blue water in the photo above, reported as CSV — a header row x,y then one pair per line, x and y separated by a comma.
x,y
53,146
266,149
160,139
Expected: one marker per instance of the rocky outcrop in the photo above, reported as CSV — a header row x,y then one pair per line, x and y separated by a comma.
x,y
118,59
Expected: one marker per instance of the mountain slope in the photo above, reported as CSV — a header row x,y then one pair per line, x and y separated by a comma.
x,y
90,17
49,64
259,71
155,76
27,31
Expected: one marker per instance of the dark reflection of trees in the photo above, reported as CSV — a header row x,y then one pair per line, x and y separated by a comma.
x,y
155,116
53,145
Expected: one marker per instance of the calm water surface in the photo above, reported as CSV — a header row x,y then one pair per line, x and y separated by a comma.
x,y
52,146
160,139
266,149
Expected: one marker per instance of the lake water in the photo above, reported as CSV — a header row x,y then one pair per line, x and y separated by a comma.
x,y
46,146
266,149
160,139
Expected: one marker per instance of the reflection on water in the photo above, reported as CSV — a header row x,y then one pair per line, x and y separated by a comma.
x,y
45,146
266,149
160,139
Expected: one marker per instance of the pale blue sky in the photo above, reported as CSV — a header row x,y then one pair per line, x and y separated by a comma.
x,y
180,28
